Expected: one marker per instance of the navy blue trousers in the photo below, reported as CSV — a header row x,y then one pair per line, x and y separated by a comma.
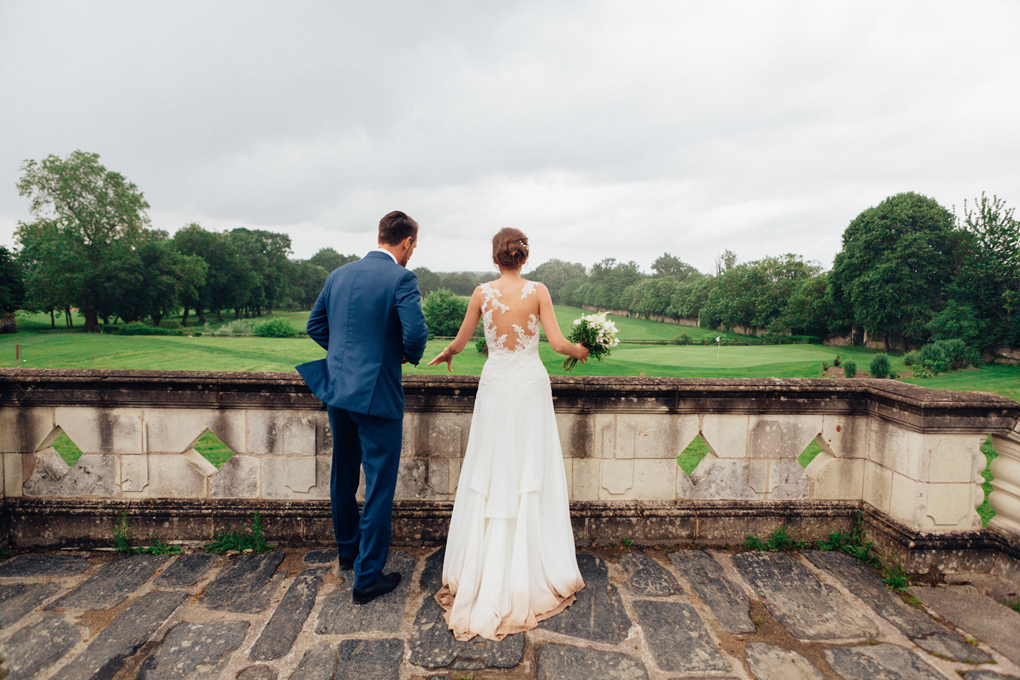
x,y
361,440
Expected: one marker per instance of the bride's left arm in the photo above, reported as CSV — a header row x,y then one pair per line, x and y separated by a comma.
x,y
467,329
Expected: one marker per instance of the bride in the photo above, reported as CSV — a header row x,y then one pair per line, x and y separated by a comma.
x,y
510,559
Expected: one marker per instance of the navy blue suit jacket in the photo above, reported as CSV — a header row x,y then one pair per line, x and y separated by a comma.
x,y
368,318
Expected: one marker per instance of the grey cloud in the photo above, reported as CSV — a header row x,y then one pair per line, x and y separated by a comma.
x,y
603,129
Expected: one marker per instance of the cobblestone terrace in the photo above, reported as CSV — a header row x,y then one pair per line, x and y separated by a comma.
x,y
669,613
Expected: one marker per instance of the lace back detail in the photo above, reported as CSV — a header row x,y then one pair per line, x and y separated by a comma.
x,y
500,321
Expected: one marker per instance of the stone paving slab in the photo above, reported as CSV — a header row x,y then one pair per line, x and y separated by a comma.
x,y
244,586
888,662
976,613
678,638
43,566
283,628
725,598
18,599
987,675
258,673
915,624
339,614
318,663
185,571
112,583
370,658
561,661
805,606
39,645
194,650
121,638
647,577
432,645
623,624
769,662
598,613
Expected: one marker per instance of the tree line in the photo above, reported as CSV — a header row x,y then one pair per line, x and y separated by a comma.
x,y
91,248
909,270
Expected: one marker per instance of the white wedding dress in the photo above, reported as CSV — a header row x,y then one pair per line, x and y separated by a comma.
x,y
510,559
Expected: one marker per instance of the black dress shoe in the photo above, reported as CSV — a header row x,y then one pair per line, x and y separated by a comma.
x,y
381,586
347,562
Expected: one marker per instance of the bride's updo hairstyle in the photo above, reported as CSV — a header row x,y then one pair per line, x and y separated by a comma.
x,y
510,248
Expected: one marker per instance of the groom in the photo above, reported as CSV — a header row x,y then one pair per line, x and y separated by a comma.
x,y
369,319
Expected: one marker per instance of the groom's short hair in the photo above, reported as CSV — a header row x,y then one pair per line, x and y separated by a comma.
x,y
394,227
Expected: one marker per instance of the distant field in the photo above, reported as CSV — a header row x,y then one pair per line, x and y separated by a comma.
x,y
43,348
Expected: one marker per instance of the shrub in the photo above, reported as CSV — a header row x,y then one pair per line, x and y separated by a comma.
x,y
934,357
912,357
682,339
849,368
481,346
946,355
274,328
836,362
139,328
879,366
959,352
443,312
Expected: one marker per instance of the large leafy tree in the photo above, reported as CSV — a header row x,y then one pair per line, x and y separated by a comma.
x,y
229,278
669,265
895,266
808,311
306,283
266,252
987,285
755,294
555,274
12,290
607,281
156,278
690,297
329,259
90,218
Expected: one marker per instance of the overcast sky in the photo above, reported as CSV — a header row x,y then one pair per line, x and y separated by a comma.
x,y
601,129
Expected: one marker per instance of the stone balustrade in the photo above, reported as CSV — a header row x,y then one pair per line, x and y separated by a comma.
x,y
906,455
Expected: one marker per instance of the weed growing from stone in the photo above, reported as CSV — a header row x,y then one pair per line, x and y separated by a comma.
x,y
121,535
778,540
241,541
5,552
895,578
1015,604
853,543
122,542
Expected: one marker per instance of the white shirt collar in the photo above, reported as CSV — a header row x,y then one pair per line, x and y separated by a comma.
x,y
383,250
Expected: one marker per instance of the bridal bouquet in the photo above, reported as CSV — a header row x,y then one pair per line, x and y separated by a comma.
x,y
597,333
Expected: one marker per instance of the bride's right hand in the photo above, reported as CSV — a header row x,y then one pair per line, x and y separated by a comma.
x,y
582,352
445,356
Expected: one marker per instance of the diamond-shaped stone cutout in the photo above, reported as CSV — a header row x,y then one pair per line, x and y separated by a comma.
x,y
62,444
815,456
690,458
212,449
809,453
